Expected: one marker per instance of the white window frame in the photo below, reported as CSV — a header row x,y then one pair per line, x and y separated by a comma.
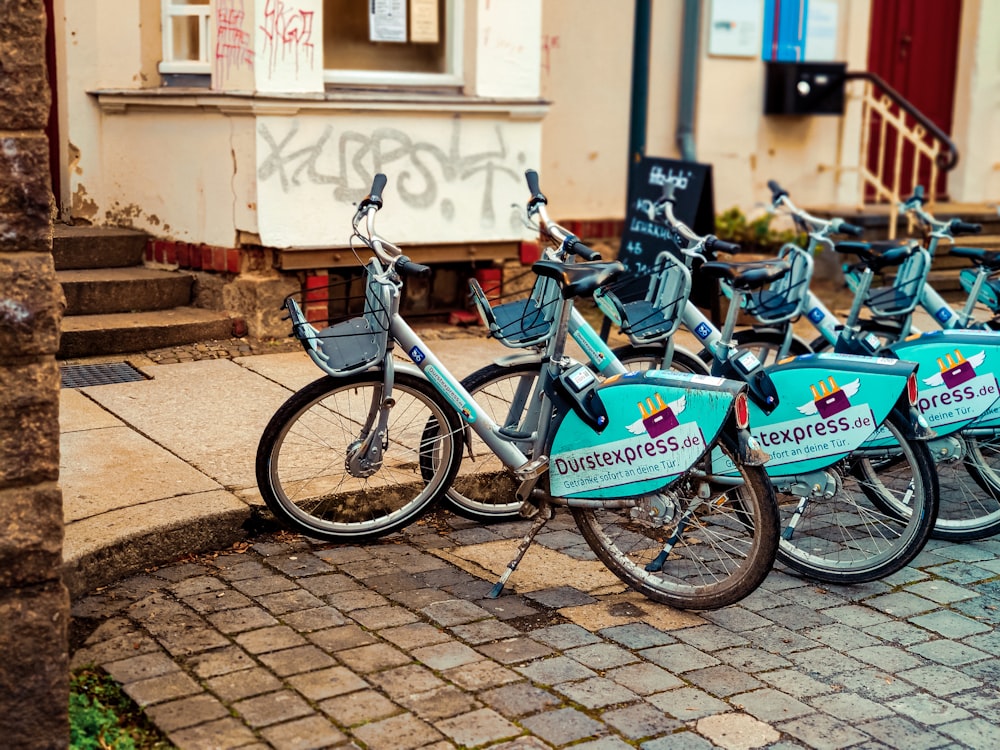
x,y
171,9
454,40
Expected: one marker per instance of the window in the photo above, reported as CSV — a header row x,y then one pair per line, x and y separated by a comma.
x,y
371,43
185,36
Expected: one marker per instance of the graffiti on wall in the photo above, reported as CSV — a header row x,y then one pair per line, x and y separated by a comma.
x,y
288,37
424,173
233,40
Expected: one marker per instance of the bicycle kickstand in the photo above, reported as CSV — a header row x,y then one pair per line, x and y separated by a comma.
x,y
545,512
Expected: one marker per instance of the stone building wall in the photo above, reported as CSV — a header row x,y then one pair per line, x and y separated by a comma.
x,y
34,604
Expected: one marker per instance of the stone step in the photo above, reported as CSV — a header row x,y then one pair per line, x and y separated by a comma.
x,y
117,333
96,247
94,291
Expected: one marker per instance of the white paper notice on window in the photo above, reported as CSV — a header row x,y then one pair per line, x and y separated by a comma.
x,y
387,20
424,21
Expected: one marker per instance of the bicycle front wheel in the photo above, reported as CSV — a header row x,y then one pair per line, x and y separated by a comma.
x,y
874,514
309,481
718,547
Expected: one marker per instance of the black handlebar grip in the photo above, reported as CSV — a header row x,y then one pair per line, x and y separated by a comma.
x,y
852,229
965,227
531,176
576,247
716,245
776,190
406,267
668,191
374,197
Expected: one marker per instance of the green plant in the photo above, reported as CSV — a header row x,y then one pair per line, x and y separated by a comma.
x,y
753,234
103,717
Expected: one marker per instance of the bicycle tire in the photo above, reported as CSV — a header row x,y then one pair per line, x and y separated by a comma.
x,y
969,508
301,470
484,490
879,519
765,344
717,561
651,357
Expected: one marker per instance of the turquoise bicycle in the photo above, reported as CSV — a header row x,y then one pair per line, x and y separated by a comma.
x,y
368,447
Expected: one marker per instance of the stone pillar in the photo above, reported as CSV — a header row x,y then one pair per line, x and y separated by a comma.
x,y
34,604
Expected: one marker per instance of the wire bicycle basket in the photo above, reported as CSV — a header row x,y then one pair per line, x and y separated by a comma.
x,y
520,319
349,342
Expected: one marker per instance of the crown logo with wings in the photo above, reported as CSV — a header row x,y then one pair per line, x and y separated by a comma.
x,y
953,371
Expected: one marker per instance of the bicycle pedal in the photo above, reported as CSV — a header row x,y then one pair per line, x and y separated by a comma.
x,y
533,469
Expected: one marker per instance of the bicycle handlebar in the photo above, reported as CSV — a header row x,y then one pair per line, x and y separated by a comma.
x,y
964,227
569,243
777,192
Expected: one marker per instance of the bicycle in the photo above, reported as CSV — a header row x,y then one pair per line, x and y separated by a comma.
x,y
368,447
823,545
965,412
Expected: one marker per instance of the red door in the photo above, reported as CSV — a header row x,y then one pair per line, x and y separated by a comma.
x,y
913,46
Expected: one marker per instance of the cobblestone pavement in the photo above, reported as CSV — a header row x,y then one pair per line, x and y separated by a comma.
x,y
286,643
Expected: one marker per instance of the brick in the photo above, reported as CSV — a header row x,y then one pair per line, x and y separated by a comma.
x,y
327,683
291,661
771,705
927,709
401,732
555,670
162,688
596,692
233,260
562,726
241,620
186,712
443,656
359,707
271,708
442,703
688,703
270,639
515,650
722,680
481,675
478,728
895,731
644,678
372,658
640,720
182,252
228,732
221,661
31,545
519,699
243,684
206,257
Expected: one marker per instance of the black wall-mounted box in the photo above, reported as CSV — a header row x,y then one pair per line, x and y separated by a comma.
x,y
804,88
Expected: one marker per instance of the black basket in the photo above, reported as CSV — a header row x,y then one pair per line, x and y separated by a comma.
x,y
648,311
519,319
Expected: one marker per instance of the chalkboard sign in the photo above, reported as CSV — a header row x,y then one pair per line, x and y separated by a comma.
x,y
694,204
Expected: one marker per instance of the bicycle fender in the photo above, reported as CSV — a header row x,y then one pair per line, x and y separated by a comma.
x,y
956,383
659,424
830,405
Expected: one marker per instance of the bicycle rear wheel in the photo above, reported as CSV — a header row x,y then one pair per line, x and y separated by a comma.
x,y
970,491
877,517
303,457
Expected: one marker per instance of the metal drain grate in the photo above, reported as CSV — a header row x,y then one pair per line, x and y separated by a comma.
x,y
81,376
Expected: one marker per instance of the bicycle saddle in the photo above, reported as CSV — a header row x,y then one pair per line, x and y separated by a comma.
x,y
748,274
979,256
578,279
880,254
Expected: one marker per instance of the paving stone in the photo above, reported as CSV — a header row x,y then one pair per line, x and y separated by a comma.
x,y
928,710
640,721
688,703
823,732
217,601
565,635
987,672
901,604
638,635
238,567
850,707
326,683
227,732
441,703
895,731
824,661
562,726
263,640
441,656
841,637
182,572
351,600
963,552
515,650
597,692
444,577
271,708
184,640
780,640
943,592
296,660
796,617
679,741
299,565
737,731
414,634
235,686
481,675
519,699
888,658
736,619
477,728
141,667
679,658
186,712
989,642
401,732
900,633
379,618
559,597
240,620
303,734
264,585
333,640
984,609
709,638
856,616
328,583
402,681
973,733
722,680
601,656
752,659
644,678
484,631
508,607
795,683
770,705
950,624
555,670
454,612
372,658
163,688
197,585
960,573
359,707
939,680
283,602
949,652
221,661
873,684
985,705
308,620
604,743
